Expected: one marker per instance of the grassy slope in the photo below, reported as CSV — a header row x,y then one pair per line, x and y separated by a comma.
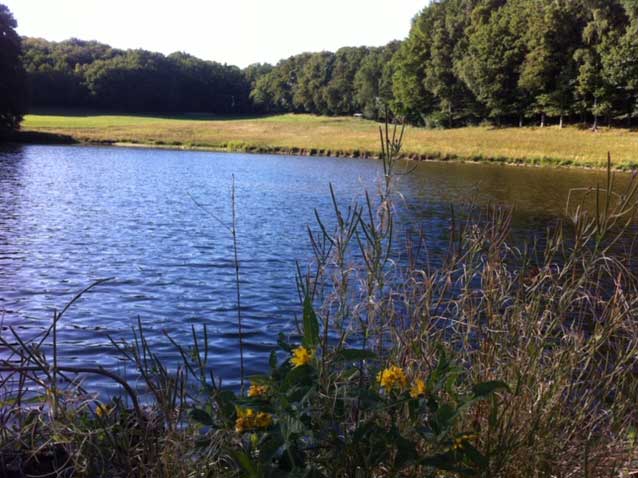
x,y
345,136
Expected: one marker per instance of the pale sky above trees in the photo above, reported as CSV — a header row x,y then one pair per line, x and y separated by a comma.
x,y
238,32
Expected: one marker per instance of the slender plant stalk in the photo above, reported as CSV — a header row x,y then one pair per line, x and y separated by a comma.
x,y
237,288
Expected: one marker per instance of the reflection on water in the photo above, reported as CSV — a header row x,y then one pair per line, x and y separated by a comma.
x,y
70,215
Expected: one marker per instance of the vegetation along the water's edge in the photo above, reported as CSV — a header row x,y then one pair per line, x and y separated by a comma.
x,y
342,136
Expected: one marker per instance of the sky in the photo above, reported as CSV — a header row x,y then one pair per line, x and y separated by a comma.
x,y
238,32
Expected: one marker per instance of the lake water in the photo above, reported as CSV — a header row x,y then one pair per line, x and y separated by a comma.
x,y
70,215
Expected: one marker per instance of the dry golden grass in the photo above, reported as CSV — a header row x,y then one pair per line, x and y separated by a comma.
x,y
307,134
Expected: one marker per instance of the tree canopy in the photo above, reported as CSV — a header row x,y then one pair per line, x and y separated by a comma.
x,y
463,62
351,80
13,93
93,75
510,61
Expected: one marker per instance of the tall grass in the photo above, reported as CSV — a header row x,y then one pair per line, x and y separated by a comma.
x,y
502,360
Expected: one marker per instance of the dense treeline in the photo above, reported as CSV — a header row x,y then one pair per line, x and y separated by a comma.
x,y
509,61
464,62
89,74
349,81
80,73
13,96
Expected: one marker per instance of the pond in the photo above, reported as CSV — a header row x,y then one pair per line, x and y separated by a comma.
x,y
70,215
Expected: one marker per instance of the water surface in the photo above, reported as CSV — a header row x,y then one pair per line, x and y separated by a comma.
x,y
70,215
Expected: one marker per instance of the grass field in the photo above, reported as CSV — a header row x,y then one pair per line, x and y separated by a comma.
x,y
343,136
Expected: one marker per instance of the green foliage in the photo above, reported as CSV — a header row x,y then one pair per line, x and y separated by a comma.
x,y
373,81
464,62
510,59
77,73
313,431
352,80
13,94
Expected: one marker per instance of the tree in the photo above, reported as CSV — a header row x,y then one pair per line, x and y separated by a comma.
x,y
312,74
619,60
491,66
340,91
548,70
13,91
373,81
411,99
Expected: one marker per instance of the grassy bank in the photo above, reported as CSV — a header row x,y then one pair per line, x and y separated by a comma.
x,y
306,134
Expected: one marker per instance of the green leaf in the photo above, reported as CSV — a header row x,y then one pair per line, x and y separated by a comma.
x,y
226,403
283,344
473,454
353,355
485,389
246,464
201,416
444,416
258,379
310,325
299,376
406,451
272,360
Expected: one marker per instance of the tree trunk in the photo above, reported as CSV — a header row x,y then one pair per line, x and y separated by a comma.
x,y
542,120
561,121
520,121
595,125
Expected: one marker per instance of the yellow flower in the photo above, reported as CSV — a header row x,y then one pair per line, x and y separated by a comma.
x,y
418,389
247,419
257,391
460,441
263,420
392,377
300,356
102,410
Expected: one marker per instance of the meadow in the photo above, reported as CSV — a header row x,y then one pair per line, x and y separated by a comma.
x,y
345,136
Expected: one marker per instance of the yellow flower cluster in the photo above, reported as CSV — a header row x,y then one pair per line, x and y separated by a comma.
x,y
392,377
257,391
301,356
102,410
418,389
247,419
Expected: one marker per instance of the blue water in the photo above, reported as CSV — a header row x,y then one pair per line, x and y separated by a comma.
x,y
70,215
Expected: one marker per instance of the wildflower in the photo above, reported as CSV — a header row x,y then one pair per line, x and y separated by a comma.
x,y
263,420
247,419
102,410
461,440
300,356
418,389
257,391
392,377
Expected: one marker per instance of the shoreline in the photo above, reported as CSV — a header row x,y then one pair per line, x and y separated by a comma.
x,y
43,138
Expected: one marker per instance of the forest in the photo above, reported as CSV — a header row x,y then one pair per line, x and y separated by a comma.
x,y
88,74
464,62
469,61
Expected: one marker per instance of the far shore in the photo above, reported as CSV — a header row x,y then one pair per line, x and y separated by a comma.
x,y
308,135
